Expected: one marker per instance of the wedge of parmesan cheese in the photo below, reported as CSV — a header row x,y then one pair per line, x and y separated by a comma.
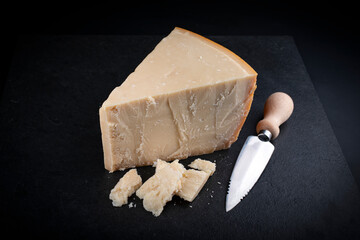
x,y
203,165
126,186
191,184
161,187
189,96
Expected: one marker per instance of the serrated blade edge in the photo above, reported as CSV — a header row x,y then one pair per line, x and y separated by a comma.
x,y
250,164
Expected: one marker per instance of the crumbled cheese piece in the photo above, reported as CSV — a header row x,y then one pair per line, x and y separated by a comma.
x,y
160,188
126,186
191,184
203,165
169,179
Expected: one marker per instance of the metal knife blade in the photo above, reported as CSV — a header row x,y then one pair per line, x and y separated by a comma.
x,y
251,162
257,150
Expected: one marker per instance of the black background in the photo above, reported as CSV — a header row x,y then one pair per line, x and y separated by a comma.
x,y
326,35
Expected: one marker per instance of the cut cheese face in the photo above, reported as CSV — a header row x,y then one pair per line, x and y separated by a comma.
x,y
203,165
189,96
126,186
191,184
161,187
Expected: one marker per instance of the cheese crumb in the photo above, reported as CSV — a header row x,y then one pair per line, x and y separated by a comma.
x,y
169,179
191,184
160,188
126,186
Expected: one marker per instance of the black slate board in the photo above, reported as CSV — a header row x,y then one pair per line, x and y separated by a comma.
x,y
52,176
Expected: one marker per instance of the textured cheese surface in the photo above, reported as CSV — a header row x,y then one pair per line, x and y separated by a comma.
x,y
191,184
161,187
189,96
126,186
159,164
203,165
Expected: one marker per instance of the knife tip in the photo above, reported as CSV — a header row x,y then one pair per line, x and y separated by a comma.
x,y
229,206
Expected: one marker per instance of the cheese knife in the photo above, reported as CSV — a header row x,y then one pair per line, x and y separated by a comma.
x,y
257,150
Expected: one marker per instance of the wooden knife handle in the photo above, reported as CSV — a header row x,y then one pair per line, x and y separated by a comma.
x,y
278,108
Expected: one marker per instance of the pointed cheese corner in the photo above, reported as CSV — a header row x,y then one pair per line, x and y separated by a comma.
x,y
189,96
126,186
159,164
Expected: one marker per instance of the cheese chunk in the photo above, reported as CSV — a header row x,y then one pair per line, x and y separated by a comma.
x,y
126,186
203,165
191,184
189,96
192,181
161,187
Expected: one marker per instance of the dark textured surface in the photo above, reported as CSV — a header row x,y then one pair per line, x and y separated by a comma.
x,y
52,177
